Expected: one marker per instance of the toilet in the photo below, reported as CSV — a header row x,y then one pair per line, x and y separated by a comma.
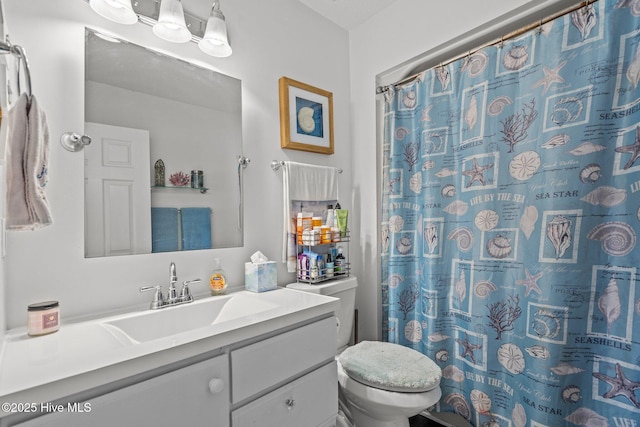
x,y
371,393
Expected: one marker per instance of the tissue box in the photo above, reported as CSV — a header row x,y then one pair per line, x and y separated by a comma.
x,y
260,276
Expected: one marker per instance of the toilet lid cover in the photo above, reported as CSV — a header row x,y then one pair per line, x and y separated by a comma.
x,y
390,367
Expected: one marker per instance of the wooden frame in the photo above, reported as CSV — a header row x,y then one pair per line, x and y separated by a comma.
x,y
306,117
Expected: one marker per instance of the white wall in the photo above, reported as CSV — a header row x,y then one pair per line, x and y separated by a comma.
x,y
268,43
3,134
406,30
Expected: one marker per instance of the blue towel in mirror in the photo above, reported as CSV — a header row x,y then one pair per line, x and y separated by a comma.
x,y
164,230
196,228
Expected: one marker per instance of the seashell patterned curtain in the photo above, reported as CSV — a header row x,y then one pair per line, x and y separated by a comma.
x,y
511,214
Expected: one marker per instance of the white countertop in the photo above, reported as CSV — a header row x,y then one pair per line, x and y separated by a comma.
x,y
86,354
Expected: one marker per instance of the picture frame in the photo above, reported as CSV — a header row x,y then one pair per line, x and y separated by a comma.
x,y
306,117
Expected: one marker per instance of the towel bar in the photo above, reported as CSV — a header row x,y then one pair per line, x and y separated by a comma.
x,y
7,47
276,165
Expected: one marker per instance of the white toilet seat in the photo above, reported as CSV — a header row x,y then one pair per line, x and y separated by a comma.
x,y
385,397
390,367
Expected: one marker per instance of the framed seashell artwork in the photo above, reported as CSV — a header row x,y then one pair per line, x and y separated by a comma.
x,y
306,117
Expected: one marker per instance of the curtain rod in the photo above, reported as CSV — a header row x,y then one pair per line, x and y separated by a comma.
x,y
275,165
497,41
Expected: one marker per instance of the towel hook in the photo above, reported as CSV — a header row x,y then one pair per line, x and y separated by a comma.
x,y
275,165
243,161
74,142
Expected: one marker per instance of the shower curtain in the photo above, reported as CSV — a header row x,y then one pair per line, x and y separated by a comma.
x,y
510,219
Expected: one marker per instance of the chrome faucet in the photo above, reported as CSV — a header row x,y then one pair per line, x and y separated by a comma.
x,y
173,278
172,297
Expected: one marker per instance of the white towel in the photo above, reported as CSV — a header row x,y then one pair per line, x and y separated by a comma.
x,y
303,182
27,157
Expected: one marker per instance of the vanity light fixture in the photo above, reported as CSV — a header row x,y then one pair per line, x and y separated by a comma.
x,y
215,41
170,22
119,11
171,25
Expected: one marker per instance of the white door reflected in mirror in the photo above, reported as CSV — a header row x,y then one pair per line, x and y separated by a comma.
x,y
117,197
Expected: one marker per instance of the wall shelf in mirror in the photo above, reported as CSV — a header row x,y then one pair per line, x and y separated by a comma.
x,y
202,190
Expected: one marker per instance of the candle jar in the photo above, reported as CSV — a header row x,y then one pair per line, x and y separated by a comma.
x,y
43,318
200,179
194,179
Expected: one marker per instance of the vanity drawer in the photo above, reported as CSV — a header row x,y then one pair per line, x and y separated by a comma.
x,y
308,401
275,360
196,395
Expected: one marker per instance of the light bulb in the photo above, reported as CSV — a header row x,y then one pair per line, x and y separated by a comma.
x,y
215,41
119,11
171,25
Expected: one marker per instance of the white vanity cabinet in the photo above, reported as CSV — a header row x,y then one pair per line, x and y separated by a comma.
x,y
284,378
197,395
297,370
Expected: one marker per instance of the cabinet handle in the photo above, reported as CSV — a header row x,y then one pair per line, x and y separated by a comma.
x,y
290,404
216,385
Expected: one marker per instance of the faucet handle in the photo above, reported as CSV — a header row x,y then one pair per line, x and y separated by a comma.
x,y
185,292
158,300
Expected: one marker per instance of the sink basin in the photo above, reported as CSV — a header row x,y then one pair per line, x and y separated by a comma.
x,y
153,324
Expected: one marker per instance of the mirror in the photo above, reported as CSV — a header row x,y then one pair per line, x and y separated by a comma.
x,y
153,119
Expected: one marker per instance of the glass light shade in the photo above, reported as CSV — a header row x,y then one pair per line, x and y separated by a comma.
x,y
171,25
119,11
215,41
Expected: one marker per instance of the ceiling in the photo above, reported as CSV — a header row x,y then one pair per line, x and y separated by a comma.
x,y
347,13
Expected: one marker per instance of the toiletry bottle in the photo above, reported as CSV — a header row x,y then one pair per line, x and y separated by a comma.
x,y
217,279
328,265
342,216
321,268
339,263
316,221
313,269
299,228
303,267
329,221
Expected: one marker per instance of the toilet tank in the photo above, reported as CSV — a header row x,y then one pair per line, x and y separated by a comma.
x,y
345,290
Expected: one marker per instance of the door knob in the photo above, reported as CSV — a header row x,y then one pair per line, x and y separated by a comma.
x,y
73,141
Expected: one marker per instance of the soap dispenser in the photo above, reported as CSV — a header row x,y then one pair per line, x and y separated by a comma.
x,y
217,279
